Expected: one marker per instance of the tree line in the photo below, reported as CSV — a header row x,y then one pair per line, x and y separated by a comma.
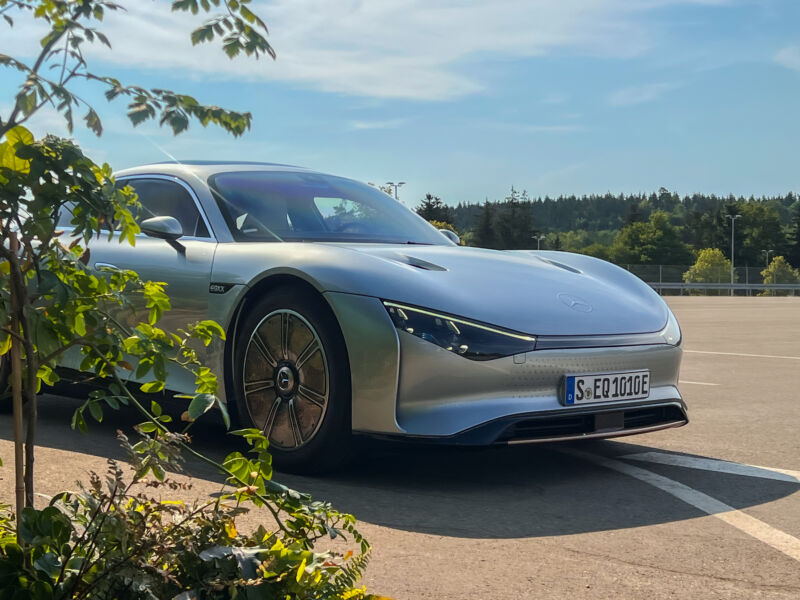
x,y
658,228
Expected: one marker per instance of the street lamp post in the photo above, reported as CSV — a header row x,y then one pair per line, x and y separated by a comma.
x,y
766,253
538,239
395,186
733,229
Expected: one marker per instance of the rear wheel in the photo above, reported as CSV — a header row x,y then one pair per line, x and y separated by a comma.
x,y
291,380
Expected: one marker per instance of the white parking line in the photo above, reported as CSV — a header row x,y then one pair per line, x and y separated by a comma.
x,y
718,466
743,354
780,540
696,382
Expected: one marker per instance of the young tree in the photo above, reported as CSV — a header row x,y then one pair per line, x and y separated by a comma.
x,y
30,244
711,266
51,302
779,271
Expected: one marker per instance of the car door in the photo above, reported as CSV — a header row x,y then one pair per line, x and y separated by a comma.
x,y
185,269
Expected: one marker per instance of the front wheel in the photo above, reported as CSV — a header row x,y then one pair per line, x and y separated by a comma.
x,y
291,380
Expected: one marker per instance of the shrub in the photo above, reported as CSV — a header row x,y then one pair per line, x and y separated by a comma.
x,y
711,266
779,271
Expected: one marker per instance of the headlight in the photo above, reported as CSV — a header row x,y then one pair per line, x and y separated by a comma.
x,y
672,332
470,340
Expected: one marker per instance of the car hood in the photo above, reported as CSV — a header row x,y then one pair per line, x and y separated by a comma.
x,y
540,293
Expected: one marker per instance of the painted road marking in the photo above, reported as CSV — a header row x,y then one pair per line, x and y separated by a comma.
x,y
780,540
696,382
742,354
718,466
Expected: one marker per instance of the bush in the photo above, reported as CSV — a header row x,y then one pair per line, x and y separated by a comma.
x,y
711,266
113,540
779,271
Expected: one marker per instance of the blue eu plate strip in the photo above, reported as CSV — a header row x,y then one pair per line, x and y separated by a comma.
x,y
570,390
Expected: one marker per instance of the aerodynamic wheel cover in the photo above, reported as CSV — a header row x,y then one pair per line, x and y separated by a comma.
x,y
285,379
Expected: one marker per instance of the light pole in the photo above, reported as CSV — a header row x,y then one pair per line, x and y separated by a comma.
x,y
395,186
767,253
538,239
766,263
733,229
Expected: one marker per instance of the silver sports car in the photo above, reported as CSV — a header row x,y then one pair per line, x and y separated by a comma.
x,y
349,314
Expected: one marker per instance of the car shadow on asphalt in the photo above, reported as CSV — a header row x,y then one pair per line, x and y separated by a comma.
x,y
496,492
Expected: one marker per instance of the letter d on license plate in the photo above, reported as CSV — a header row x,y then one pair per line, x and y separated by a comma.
x,y
606,387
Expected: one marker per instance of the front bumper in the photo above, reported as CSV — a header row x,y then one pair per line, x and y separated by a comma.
x,y
404,386
575,424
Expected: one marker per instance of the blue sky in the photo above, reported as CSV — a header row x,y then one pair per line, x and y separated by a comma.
x,y
465,98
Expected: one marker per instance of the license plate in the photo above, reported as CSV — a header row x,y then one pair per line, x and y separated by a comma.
x,y
606,387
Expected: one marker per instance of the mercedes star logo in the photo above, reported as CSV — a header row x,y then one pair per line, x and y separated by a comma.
x,y
575,302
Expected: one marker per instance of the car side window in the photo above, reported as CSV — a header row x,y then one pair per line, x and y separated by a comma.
x,y
161,198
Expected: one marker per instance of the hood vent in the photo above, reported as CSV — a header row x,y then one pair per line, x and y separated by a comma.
x,y
412,261
559,265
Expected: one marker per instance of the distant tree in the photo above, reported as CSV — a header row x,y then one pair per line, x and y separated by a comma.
x,y
711,266
761,229
793,241
596,250
634,214
653,242
556,244
779,271
484,234
433,209
514,224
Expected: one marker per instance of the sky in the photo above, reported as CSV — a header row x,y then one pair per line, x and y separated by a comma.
x,y
463,98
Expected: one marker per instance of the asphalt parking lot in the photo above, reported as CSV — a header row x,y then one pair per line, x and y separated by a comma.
x,y
711,510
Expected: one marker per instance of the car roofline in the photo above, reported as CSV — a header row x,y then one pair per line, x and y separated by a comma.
x,y
203,169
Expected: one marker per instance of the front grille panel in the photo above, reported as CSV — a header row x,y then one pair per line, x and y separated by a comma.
x,y
555,426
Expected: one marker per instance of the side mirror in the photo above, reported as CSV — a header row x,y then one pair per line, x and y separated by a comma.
x,y
450,235
163,228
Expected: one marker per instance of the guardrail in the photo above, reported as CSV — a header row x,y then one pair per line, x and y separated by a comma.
x,y
737,286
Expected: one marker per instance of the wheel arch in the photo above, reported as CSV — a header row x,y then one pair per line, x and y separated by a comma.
x,y
262,285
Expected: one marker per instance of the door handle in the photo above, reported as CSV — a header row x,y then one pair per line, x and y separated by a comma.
x,y
100,265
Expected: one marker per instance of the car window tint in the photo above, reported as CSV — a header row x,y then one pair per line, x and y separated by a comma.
x,y
343,216
300,206
160,198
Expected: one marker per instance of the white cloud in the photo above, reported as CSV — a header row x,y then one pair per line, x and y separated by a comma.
x,y
638,94
789,57
383,124
414,49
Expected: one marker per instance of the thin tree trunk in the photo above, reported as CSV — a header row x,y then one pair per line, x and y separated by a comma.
x,y
27,389
16,390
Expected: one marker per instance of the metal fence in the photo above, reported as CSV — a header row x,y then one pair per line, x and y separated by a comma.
x,y
748,281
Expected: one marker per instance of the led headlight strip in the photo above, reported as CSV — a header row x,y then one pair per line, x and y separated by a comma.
x,y
466,338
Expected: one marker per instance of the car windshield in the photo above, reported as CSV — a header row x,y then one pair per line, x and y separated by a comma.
x,y
295,206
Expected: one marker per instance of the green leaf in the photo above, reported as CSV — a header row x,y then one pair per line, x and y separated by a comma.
x,y
223,409
16,137
152,387
200,404
97,411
